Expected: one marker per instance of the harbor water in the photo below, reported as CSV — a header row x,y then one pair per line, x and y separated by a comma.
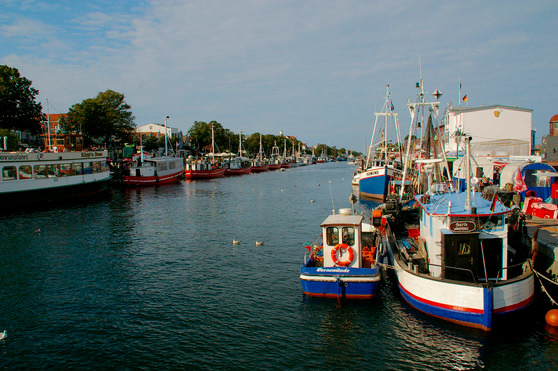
x,y
149,278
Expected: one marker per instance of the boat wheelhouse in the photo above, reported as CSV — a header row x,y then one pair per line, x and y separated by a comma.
x,y
344,263
455,256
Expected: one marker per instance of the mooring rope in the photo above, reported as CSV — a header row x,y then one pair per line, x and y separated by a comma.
x,y
544,288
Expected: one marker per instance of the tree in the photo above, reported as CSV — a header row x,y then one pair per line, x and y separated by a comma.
x,y
200,136
106,116
12,140
18,109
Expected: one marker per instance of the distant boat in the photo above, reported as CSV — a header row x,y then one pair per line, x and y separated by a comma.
x,y
259,164
204,169
380,170
146,170
275,161
238,165
345,264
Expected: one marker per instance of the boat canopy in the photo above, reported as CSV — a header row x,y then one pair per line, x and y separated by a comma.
x,y
531,173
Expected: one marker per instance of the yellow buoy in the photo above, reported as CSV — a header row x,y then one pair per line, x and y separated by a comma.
x,y
551,317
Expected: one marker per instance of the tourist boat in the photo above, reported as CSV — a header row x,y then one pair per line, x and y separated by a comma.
x,y
29,178
343,263
456,257
204,169
380,170
146,170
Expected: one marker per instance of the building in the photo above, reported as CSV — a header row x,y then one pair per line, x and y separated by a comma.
x,y
497,131
549,143
157,130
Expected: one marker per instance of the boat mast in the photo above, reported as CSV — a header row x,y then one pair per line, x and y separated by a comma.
x,y
240,144
212,146
48,126
166,137
468,174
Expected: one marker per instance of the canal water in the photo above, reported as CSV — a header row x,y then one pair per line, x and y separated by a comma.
x,y
149,278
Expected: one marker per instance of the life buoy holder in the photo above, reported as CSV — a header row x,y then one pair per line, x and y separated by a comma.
x,y
342,263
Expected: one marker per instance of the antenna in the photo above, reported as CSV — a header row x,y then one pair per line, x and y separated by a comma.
x,y
331,194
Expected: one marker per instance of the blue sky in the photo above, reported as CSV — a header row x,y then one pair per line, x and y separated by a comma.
x,y
313,69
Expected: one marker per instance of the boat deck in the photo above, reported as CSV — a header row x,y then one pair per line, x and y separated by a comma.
x,y
548,242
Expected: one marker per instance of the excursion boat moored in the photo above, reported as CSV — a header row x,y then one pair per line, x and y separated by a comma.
x,y
39,177
456,257
344,264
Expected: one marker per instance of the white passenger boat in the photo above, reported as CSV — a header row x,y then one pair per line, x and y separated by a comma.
x,y
38,177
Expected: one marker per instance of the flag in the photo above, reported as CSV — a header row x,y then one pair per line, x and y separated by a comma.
x,y
465,98
519,185
493,205
392,107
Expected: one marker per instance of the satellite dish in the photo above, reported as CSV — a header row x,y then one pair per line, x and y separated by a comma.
x,y
475,181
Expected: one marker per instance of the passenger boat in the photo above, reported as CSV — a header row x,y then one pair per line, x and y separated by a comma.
x,y
343,263
146,170
29,178
456,257
380,170
204,169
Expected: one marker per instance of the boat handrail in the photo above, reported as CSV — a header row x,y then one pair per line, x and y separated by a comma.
x,y
455,268
523,270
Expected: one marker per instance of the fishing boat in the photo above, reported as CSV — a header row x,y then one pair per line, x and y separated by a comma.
x,y
29,178
275,161
343,263
259,164
457,257
146,170
203,168
380,169
238,165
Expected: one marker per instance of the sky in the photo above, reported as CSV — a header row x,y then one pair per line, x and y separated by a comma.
x,y
314,69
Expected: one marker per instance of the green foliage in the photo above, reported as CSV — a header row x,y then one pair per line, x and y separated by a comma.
x,y
105,116
200,137
18,109
13,140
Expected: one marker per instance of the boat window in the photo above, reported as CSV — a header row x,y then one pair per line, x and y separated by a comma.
x,y
162,166
349,236
40,171
25,172
332,236
65,169
9,173
491,222
87,168
76,168
173,165
532,180
53,171
96,167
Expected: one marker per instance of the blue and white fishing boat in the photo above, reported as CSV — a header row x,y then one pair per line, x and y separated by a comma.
x,y
456,256
343,263
385,166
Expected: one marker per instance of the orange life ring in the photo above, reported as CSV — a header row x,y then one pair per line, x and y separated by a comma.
x,y
342,263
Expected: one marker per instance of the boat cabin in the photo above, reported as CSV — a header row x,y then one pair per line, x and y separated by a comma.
x,y
343,242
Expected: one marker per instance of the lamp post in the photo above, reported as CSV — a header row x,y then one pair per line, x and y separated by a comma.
x,y
166,136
